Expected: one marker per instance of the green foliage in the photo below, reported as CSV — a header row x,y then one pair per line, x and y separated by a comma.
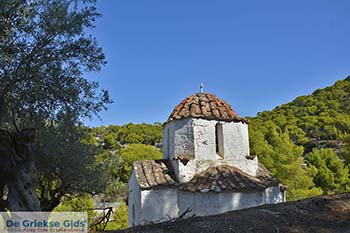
x,y
283,158
65,165
134,152
284,136
115,187
44,52
323,115
332,175
110,142
117,153
345,154
79,203
82,202
113,136
119,218
302,193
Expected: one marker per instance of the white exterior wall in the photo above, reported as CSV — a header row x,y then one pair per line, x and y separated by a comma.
x,y
236,140
184,171
158,205
178,139
204,139
249,166
164,204
205,204
274,195
210,203
134,201
196,138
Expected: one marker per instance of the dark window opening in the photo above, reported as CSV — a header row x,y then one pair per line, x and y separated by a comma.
x,y
219,140
168,142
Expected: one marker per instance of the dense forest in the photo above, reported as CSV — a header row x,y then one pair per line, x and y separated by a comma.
x,y
305,143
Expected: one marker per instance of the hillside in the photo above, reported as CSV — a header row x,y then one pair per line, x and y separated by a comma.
x,y
305,143
323,115
319,214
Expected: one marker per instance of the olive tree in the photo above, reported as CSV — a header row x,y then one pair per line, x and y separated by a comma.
x,y
45,51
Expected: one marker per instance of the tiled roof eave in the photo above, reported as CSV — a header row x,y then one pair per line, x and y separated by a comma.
x,y
236,120
154,173
158,187
227,190
179,187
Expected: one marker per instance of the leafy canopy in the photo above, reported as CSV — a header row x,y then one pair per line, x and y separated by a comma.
x,y
134,152
305,143
332,174
44,51
66,167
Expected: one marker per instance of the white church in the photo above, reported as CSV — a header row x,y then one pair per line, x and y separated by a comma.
x,y
206,167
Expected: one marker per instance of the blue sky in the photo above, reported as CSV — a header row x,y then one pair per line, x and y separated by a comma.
x,y
255,55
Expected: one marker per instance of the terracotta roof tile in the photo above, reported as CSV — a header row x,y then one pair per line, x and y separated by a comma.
x,y
227,177
154,173
159,173
206,106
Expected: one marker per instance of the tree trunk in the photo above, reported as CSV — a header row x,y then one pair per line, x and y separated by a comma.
x,y
17,170
22,194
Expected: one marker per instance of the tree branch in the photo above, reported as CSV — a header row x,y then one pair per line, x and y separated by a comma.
x,y
43,42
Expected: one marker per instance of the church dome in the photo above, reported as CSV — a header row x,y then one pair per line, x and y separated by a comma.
x,y
206,106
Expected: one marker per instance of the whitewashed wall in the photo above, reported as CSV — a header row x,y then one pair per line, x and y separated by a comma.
x,y
196,138
274,195
184,171
236,140
204,139
134,201
210,203
178,139
168,203
249,166
158,205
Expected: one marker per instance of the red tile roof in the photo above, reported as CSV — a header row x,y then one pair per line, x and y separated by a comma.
x,y
206,106
152,173
227,177
159,173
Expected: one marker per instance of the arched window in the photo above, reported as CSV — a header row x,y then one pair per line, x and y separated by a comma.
x,y
219,140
